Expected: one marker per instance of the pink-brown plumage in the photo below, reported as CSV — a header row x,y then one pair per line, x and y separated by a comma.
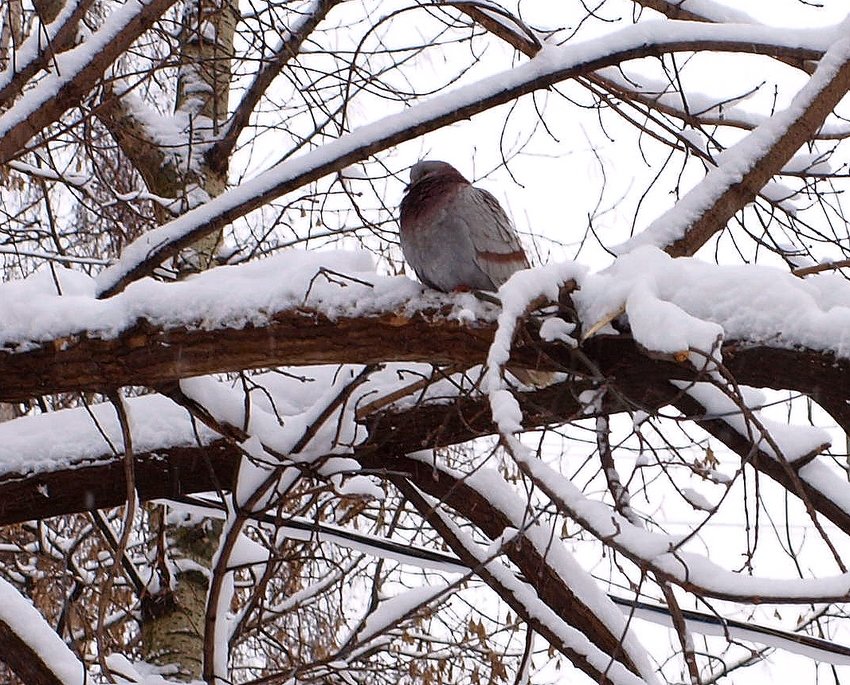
x,y
456,236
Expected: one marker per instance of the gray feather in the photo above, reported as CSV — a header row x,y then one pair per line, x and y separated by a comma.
x,y
454,235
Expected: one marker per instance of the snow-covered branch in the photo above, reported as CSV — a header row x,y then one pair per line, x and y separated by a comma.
x,y
550,66
35,55
77,71
745,168
30,645
550,605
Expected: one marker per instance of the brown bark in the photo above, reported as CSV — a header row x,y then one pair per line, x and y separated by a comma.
x,y
70,94
146,156
24,660
48,10
150,355
640,380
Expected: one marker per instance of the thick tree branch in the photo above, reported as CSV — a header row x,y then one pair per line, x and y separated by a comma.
x,y
24,659
150,355
639,380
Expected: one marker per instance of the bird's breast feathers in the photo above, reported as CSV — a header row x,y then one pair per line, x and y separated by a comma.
x,y
427,198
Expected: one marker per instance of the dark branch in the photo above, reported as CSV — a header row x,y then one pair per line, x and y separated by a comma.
x,y
271,68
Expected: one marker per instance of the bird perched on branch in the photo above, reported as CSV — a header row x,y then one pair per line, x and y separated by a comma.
x,y
455,236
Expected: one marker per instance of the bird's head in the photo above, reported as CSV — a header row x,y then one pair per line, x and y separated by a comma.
x,y
430,168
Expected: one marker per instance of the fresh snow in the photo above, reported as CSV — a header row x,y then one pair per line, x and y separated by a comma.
x,y
334,283
75,437
550,64
672,303
555,328
27,623
735,162
758,304
34,46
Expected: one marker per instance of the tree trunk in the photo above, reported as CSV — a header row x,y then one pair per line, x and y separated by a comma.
x,y
173,617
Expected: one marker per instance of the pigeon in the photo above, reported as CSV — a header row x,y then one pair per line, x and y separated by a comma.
x,y
456,237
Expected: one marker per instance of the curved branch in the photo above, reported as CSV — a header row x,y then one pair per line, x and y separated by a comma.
x,y
553,65
679,10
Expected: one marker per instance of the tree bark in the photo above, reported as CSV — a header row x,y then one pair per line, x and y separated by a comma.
x,y
173,620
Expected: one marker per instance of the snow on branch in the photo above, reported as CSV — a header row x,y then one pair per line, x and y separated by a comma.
x,y
30,646
743,169
549,606
34,54
252,318
664,555
752,303
698,10
697,109
549,66
76,72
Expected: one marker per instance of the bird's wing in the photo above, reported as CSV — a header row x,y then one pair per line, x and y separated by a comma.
x,y
498,251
